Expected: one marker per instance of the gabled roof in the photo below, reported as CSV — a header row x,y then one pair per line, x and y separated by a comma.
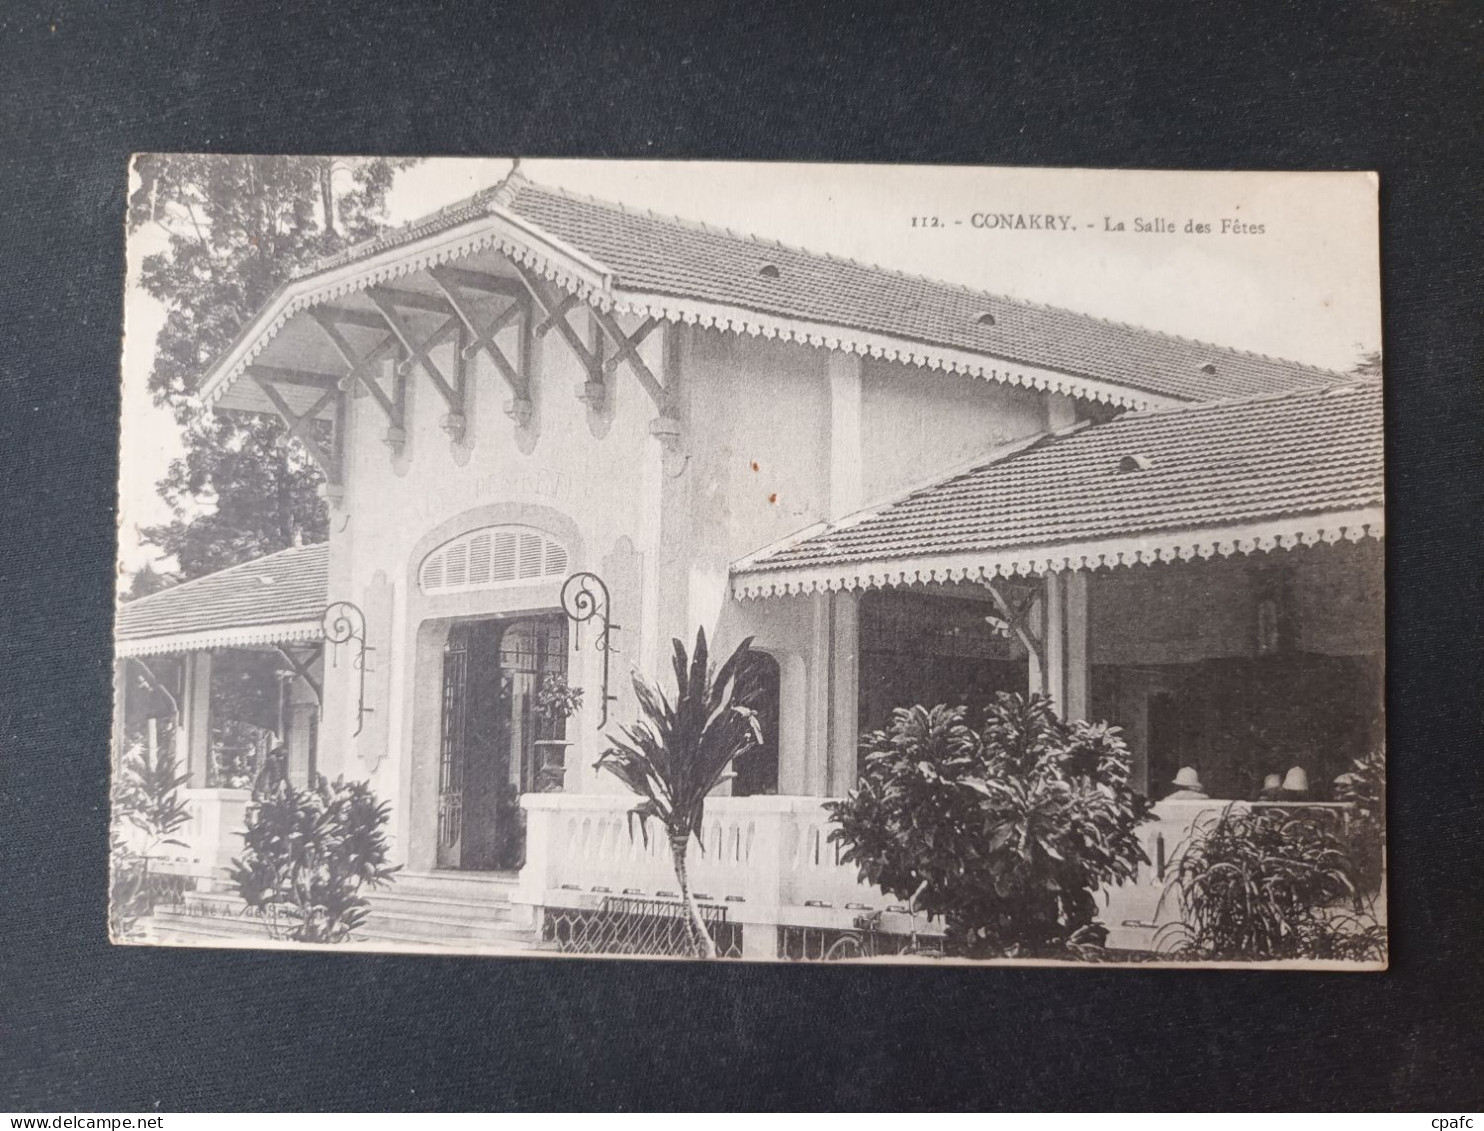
x,y
675,269
1145,486
274,599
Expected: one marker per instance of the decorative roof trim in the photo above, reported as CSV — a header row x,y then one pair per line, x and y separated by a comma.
x,y
1181,544
237,636
870,343
579,274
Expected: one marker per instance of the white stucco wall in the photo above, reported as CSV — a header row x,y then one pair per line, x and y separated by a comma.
x,y
754,465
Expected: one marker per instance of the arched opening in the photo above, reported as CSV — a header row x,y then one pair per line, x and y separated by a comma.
x,y
757,770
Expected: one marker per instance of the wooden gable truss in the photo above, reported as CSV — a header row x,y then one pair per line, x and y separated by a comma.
x,y
475,308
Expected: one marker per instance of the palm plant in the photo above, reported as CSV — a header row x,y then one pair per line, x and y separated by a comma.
x,y
680,751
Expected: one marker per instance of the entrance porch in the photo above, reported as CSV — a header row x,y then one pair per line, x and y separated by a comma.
x,y
1237,667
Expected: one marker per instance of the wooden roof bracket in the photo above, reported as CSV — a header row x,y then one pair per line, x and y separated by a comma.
x,y
300,425
303,668
1018,617
517,376
595,390
357,370
416,353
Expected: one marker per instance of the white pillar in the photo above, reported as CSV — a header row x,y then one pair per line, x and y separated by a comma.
x,y
844,694
814,780
1054,642
845,433
193,730
1078,694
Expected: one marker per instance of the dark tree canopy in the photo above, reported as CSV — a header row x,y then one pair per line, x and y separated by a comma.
x,y
237,227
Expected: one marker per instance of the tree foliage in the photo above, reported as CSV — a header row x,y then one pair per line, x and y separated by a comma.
x,y
683,748
235,228
1007,830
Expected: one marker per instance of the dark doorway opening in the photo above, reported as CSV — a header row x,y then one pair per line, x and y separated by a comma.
x,y
757,770
489,753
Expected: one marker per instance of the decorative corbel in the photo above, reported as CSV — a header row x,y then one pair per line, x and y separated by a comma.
x,y
358,371
449,280
420,354
594,391
1017,616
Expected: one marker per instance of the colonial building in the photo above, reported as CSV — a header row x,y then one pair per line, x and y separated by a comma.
x,y
905,491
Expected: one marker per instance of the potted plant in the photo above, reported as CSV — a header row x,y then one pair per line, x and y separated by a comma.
x,y
556,702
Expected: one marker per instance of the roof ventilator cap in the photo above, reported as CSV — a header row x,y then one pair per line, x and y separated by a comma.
x,y
1136,462
768,271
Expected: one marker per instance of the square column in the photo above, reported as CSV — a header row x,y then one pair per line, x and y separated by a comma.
x,y
1062,626
194,727
844,693
1077,700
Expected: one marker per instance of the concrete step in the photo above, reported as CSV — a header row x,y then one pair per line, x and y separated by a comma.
x,y
396,901
476,914
514,943
185,928
177,926
437,927
470,886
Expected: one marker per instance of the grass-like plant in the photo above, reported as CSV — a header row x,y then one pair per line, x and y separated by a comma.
x,y
146,797
1268,883
682,749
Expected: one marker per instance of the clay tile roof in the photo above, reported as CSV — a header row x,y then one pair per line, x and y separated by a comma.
x,y
277,597
662,255
1136,475
667,256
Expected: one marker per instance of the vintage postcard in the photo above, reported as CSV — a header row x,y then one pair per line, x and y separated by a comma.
x,y
751,561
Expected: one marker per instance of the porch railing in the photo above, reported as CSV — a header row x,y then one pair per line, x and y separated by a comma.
x,y
210,836
768,859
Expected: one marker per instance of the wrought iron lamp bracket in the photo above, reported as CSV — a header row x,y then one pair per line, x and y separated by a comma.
x,y
585,598
344,625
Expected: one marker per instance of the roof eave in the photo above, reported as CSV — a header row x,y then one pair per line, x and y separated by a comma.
x,y
575,271
230,636
1145,548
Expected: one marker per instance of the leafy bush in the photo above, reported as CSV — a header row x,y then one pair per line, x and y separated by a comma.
x,y
1012,827
146,797
1268,884
1364,787
307,856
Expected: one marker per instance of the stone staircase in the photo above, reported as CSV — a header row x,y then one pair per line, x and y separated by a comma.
x,y
468,911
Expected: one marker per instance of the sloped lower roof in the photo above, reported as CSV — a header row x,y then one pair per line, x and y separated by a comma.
x,y
1144,486
273,599
678,269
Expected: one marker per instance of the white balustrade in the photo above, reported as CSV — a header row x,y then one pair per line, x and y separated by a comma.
x,y
768,858
211,835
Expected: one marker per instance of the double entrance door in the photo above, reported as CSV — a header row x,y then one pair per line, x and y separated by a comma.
x,y
494,737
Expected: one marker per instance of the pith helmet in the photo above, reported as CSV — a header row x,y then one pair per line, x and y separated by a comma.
x,y
1297,780
1187,778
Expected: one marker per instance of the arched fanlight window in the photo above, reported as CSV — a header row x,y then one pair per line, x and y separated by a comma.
x,y
491,557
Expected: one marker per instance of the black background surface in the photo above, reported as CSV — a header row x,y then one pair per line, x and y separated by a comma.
x,y
1388,86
